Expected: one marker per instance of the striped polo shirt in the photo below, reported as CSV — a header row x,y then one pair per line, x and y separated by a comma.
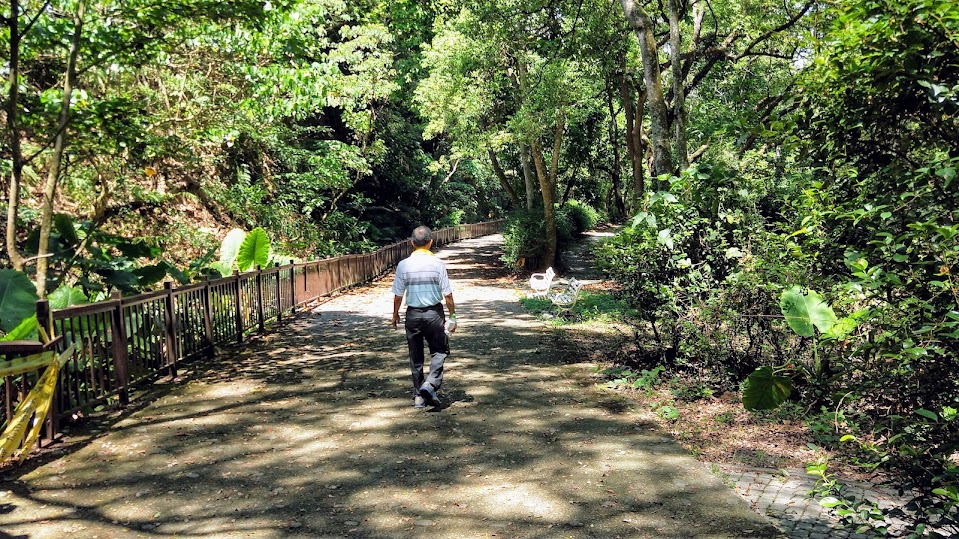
x,y
422,277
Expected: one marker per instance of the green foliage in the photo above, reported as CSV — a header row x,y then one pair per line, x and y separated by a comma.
x,y
594,306
98,261
827,426
803,311
583,216
18,299
572,219
881,61
254,250
231,246
26,330
669,413
524,237
764,390
625,377
67,296
671,253
859,513
877,114
536,305
689,390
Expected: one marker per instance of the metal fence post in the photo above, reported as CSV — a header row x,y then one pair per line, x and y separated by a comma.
x,y
292,288
171,353
45,321
279,294
261,323
238,311
208,315
121,357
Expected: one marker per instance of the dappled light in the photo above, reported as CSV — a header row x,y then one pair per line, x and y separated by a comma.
x,y
729,225
309,430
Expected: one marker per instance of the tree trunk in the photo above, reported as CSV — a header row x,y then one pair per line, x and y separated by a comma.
x,y
634,140
642,25
679,97
16,174
528,177
547,184
642,148
549,258
517,78
508,187
619,206
54,162
557,146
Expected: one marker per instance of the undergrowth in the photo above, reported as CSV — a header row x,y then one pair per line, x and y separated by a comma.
x,y
592,306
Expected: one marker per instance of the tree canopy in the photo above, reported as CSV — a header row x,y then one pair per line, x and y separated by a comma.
x,y
750,150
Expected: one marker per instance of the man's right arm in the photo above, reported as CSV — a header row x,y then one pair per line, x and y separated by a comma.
x,y
397,302
399,290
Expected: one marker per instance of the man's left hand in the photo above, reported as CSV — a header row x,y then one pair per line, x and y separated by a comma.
x,y
396,320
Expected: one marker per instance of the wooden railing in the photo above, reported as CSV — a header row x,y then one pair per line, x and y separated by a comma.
x,y
127,341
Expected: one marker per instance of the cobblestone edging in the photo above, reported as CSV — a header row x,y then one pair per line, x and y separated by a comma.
x,y
783,496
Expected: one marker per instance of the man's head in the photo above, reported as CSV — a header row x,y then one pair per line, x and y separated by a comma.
x,y
422,237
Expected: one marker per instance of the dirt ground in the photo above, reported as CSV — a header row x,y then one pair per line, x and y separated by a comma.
x,y
309,431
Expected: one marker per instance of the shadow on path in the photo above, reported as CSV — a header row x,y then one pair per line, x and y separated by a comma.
x,y
310,432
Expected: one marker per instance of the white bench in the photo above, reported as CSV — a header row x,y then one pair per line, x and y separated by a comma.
x,y
565,299
540,283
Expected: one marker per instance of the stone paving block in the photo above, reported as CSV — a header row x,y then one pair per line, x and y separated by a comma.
x,y
788,503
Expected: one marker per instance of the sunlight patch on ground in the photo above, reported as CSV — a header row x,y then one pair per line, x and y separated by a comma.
x,y
509,501
235,388
305,358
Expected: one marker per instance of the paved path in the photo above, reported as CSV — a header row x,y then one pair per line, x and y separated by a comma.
x,y
309,432
784,498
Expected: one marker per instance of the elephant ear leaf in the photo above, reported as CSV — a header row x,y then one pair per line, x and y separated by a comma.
x,y
67,230
254,251
67,296
18,299
230,246
804,312
763,390
26,331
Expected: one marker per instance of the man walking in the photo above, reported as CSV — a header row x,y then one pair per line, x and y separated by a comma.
x,y
422,278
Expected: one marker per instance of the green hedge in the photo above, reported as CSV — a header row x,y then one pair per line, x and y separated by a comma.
x,y
524,234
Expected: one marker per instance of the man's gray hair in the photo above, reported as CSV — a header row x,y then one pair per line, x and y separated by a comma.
x,y
422,236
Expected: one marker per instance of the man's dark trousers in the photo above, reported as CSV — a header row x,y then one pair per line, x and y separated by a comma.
x,y
427,324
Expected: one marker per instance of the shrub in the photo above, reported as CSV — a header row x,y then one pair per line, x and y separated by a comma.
x,y
583,215
565,227
524,236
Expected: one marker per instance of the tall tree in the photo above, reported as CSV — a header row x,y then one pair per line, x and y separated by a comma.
x,y
642,25
737,33
515,71
47,74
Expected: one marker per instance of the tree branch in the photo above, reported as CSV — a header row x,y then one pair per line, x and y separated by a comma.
x,y
699,152
769,33
503,180
36,17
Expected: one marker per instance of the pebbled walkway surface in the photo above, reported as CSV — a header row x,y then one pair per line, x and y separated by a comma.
x,y
784,497
309,432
